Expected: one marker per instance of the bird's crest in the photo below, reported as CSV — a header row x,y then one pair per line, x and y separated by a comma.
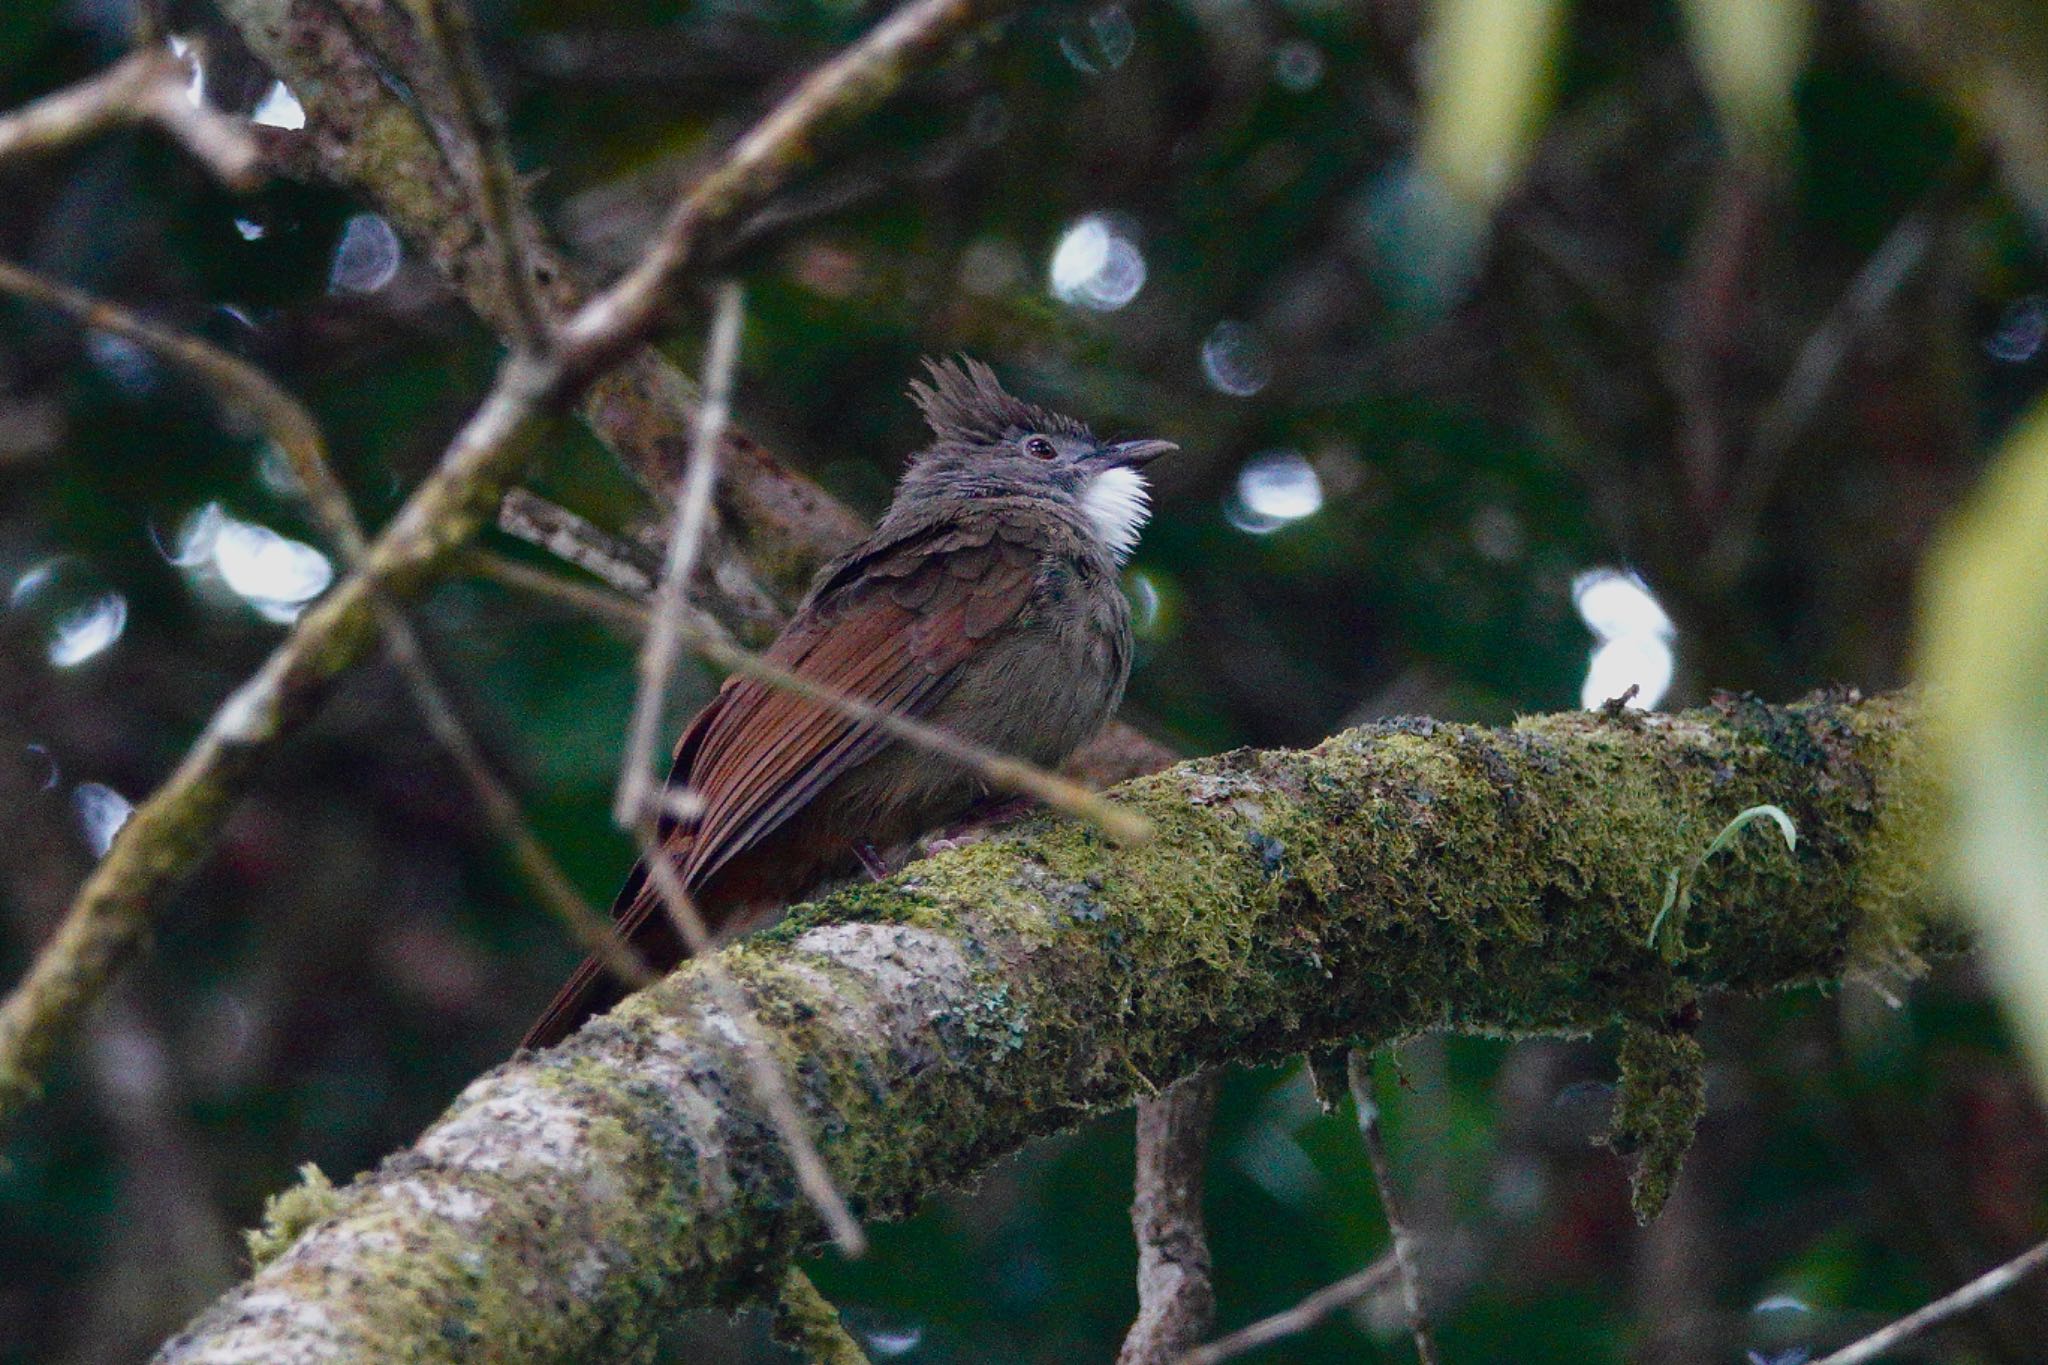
x,y
964,402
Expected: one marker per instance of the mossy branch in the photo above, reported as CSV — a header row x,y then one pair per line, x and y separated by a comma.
x,y
1395,879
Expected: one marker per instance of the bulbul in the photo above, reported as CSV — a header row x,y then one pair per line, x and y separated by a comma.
x,y
986,603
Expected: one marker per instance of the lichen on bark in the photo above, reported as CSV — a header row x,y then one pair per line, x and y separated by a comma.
x,y
1393,880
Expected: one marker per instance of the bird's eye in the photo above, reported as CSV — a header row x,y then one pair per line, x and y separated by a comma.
x,y
1040,447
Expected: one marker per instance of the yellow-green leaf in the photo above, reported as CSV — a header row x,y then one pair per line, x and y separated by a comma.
x,y
1750,54
1488,87
1984,652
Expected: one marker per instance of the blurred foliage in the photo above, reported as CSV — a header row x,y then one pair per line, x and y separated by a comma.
x,y
1986,657
1750,54
1404,439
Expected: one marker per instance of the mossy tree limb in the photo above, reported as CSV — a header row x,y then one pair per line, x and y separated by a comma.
x,y
1393,880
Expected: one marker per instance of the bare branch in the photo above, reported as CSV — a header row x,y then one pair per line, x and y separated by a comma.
x,y
1358,1069
501,809
627,565
729,598
146,87
1176,1301
1992,1282
664,643
109,100
1298,1319
480,152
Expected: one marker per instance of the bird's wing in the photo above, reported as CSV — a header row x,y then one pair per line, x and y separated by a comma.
x,y
890,625
890,628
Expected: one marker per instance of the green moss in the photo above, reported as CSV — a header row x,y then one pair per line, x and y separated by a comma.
x,y
1663,1098
290,1212
1391,881
808,1324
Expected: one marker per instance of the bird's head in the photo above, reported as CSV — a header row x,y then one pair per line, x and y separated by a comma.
x,y
988,443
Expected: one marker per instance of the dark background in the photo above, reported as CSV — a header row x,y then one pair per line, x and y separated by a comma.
x,y
1393,473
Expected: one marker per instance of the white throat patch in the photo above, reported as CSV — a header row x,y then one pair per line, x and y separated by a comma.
x,y
1117,506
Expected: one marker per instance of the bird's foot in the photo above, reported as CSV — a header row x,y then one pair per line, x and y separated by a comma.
x,y
877,866
980,822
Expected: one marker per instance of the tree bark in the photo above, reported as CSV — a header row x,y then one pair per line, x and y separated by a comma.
x,y
1176,1300
1394,879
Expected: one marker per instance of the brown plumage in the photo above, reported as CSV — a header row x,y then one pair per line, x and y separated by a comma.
x,y
987,603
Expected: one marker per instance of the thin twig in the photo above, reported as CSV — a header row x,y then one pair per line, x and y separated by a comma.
x,y
145,87
1819,365
703,633
1176,1300
664,644
501,809
94,105
1991,1283
1298,1319
637,804
629,614
730,603
1814,371
298,436
1358,1069
562,532
569,537
168,834
999,770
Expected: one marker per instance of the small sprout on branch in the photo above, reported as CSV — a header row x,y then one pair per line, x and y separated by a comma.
x,y
1678,887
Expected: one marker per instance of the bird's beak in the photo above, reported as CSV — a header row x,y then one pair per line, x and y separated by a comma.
x,y
1135,454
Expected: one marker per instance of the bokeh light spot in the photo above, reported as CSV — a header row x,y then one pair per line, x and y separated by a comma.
x,y
366,258
1096,265
1235,359
1274,489
1635,635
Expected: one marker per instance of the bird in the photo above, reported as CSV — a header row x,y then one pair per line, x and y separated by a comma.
x,y
988,602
